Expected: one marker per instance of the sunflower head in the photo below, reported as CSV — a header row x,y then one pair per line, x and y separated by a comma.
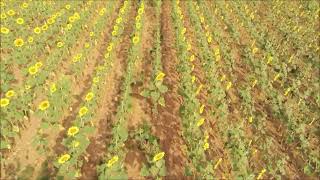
x,y
33,70
25,5
160,76
37,30
3,16
96,80
18,42
135,40
206,146
200,122
69,26
83,111
50,21
4,30
30,39
119,20
73,130
44,105
71,19
113,160
60,44
89,96
64,158
38,64
10,93
44,27
68,6
20,21
158,156
4,102
11,12
53,88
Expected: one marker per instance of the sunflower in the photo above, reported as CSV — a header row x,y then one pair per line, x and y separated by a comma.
x,y
86,45
53,88
30,39
192,58
122,10
140,11
18,42
68,6
20,21
11,12
254,50
37,30
73,130
184,30
50,21
201,109
10,93
209,39
69,26
3,16
33,70
113,160
109,48
38,64
200,122
91,34
119,20
60,44
193,79
116,27
71,19
89,96
138,18
76,15
114,33
206,146
138,25
44,27
96,79
4,30
158,156
107,55
64,158
250,119
4,102
83,111
229,85
160,76
188,46
44,105
25,5
135,40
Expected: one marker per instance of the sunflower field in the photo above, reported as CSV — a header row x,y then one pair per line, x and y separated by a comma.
x,y
159,89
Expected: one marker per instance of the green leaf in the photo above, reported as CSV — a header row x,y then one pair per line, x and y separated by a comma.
x,y
145,93
144,171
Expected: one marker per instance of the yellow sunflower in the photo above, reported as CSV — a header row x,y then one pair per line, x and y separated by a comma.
x,y
30,39
11,12
119,20
86,45
135,40
113,160
10,93
91,34
160,76
50,21
192,57
96,80
158,156
60,44
44,105
38,64
71,19
206,146
20,21
76,15
138,18
53,88
73,130
37,30
4,102
25,5
64,158
200,122
83,111
68,6
138,25
89,96
69,26
44,27
3,16
18,42
33,70
4,30
114,33
109,48
201,109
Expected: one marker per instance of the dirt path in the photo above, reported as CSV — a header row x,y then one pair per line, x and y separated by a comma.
x,y
167,124
108,105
